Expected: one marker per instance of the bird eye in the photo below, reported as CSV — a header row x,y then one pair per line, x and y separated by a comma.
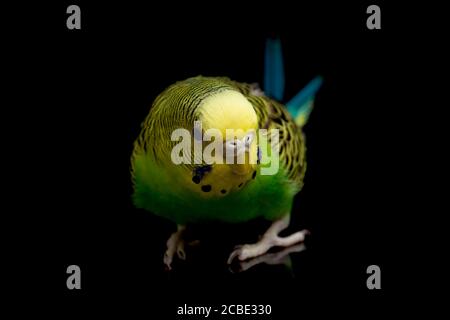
x,y
248,139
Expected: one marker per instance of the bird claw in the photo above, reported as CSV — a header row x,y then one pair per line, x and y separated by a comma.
x,y
176,245
169,254
168,261
277,258
181,253
247,251
238,252
233,255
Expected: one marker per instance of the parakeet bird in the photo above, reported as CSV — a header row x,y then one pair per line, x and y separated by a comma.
x,y
195,191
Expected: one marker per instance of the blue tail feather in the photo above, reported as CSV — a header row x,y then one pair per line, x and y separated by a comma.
x,y
274,69
301,104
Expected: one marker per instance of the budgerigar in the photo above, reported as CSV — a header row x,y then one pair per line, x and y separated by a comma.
x,y
196,191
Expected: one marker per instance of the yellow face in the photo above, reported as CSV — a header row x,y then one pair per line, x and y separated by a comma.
x,y
225,113
233,116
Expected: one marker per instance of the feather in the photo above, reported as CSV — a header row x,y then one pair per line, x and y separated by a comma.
x,y
274,70
300,106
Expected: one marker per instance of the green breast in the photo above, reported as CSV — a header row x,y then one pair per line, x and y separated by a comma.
x,y
163,190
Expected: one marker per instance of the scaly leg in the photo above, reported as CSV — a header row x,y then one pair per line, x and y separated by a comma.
x,y
269,240
175,244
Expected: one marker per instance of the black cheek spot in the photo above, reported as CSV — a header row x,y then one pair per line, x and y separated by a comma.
x,y
254,174
206,188
223,191
240,185
196,179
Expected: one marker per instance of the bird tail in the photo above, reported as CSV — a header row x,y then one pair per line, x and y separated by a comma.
x,y
273,69
301,105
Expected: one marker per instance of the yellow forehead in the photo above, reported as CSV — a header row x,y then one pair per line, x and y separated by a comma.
x,y
227,110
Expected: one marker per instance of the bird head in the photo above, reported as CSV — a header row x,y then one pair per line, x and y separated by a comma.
x,y
231,114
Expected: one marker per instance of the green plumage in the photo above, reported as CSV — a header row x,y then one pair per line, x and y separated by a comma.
x,y
267,196
160,186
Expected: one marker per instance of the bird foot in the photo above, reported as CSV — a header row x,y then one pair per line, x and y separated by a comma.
x,y
268,241
276,258
175,245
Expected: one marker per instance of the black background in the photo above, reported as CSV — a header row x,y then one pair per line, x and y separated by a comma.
x,y
91,89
